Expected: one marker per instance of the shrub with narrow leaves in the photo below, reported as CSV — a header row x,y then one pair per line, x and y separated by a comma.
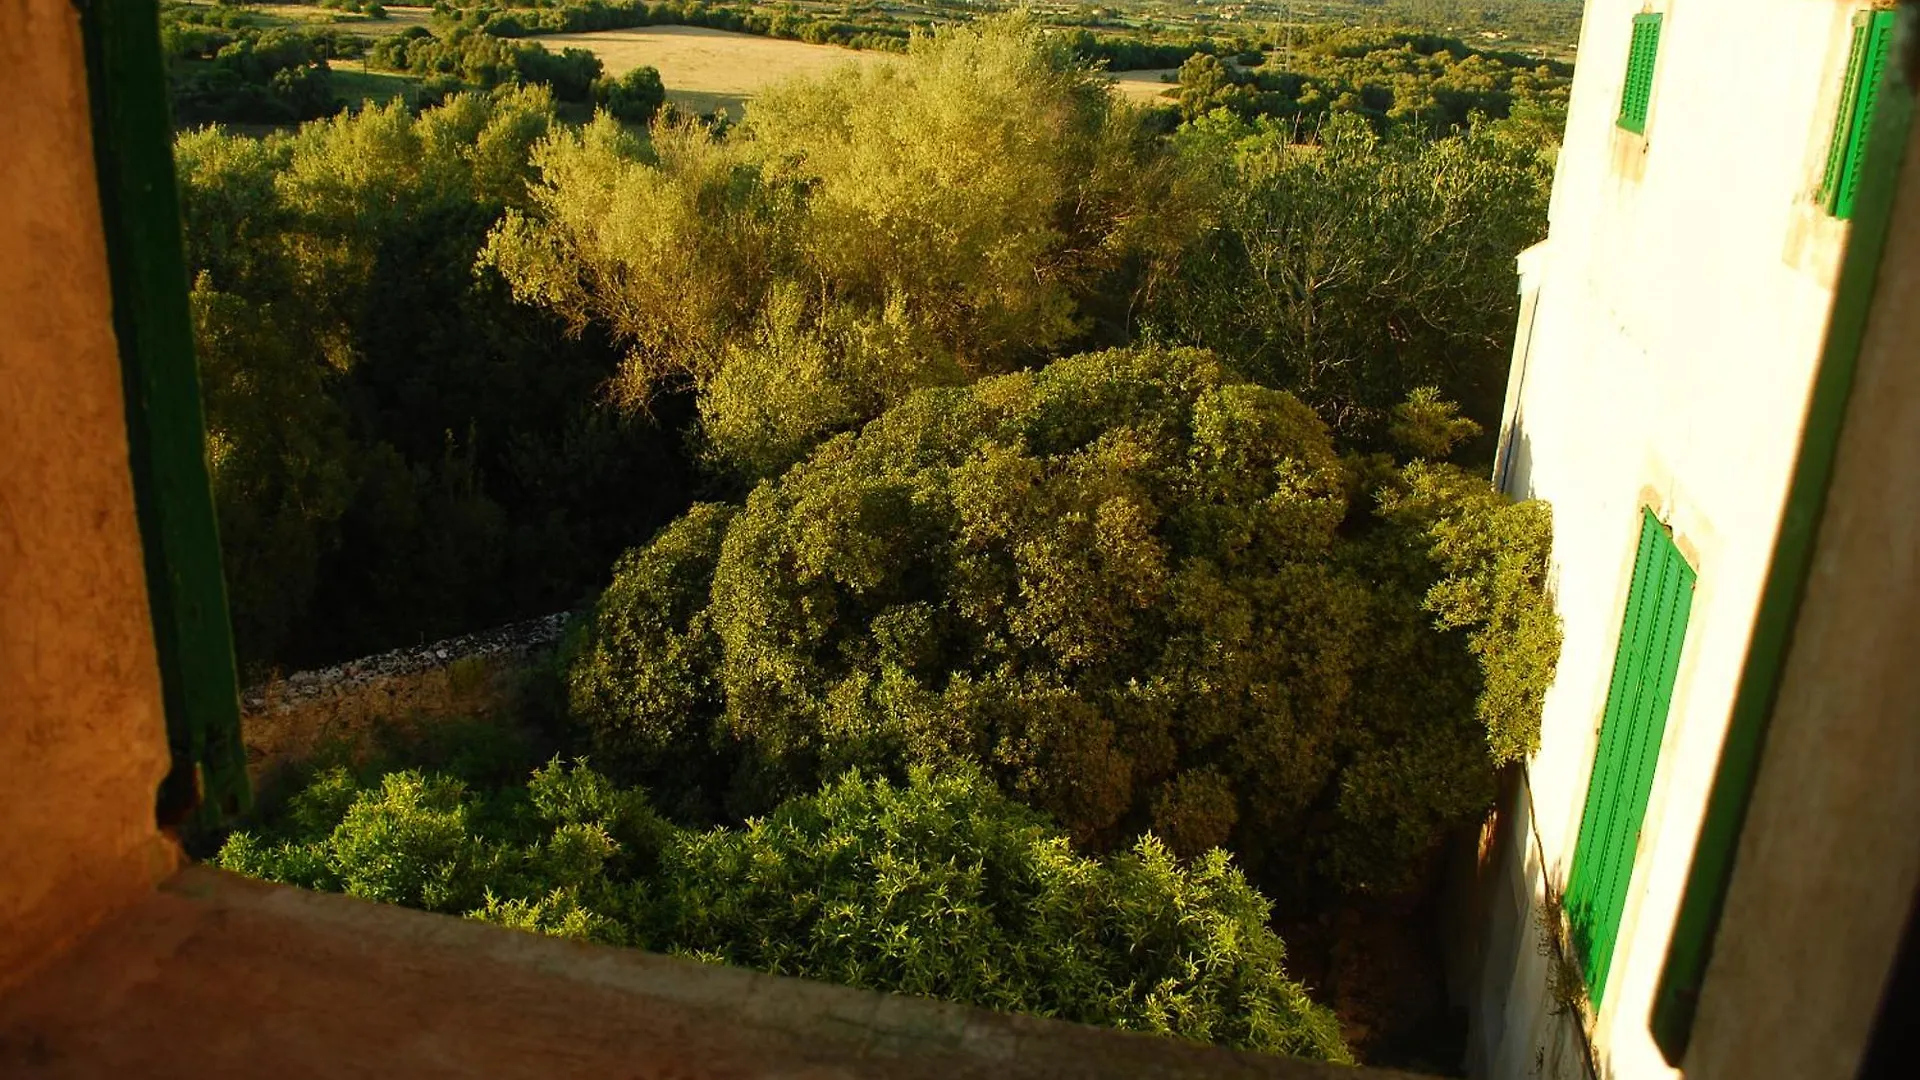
x,y
938,887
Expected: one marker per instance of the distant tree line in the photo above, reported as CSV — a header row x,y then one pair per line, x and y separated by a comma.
x,y
1393,77
520,21
871,29
482,60
222,67
225,67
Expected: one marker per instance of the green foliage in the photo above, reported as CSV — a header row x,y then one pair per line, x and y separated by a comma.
x,y
221,67
633,98
789,273
1219,586
397,449
1137,591
1129,588
482,60
938,887
872,30
1392,77
1354,271
1496,556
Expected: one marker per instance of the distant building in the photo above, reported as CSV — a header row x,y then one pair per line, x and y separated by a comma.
x,y
1672,333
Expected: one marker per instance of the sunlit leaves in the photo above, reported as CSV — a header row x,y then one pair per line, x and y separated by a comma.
x,y
1135,592
938,887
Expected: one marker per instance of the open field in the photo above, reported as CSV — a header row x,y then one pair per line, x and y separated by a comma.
x,y
705,70
352,81
708,69
1145,87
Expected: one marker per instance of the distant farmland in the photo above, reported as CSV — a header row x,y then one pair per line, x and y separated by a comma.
x,y
1145,86
705,70
312,15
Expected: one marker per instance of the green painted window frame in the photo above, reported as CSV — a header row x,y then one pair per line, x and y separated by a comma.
x,y
1646,665
1642,54
180,542
1867,60
1690,948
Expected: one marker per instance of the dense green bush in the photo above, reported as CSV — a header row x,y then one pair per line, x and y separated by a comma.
x,y
939,887
1138,593
1356,269
633,98
482,60
221,69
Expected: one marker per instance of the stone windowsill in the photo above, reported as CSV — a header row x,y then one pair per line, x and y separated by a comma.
x,y
219,976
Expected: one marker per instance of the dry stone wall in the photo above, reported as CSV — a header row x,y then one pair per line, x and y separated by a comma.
x,y
479,675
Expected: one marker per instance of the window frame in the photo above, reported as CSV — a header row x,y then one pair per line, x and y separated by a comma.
x,y
166,456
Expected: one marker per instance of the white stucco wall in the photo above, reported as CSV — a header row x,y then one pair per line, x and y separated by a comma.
x,y
1681,304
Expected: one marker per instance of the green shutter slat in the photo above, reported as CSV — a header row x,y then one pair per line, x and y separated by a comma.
x,y
1878,48
1642,53
1674,599
1600,787
1595,819
1843,120
1622,822
1633,725
1635,647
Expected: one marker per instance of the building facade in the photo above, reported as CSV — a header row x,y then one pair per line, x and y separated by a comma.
x,y
1671,330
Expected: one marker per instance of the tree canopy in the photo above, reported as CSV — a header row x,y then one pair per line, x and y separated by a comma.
x,y
1355,268
861,235
1137,592
397,448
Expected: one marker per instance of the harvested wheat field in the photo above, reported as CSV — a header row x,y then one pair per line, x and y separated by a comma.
x,y
1145,87
707,69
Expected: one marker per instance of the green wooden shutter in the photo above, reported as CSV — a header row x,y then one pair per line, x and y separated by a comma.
x,y
1640,59
166,434
1859,99
1641,692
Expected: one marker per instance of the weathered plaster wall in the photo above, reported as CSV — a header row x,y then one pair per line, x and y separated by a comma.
x,y
1674,320
1828,864
483,675
82,735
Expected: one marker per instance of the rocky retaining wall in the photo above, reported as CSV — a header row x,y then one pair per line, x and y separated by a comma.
x,y
480,675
